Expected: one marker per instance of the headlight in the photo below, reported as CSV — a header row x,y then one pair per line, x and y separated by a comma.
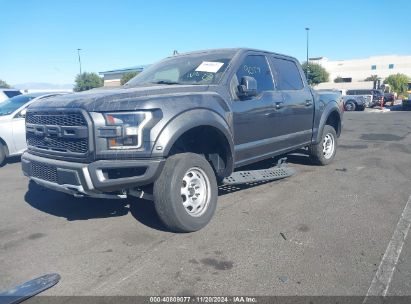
x,y
128,129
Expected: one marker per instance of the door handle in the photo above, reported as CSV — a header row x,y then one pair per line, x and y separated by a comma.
x,y
279,105
308,102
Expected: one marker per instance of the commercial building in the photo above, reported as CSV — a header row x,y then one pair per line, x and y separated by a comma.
x,y
355,70
112,78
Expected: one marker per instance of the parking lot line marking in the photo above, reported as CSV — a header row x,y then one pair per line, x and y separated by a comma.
x,y
382,279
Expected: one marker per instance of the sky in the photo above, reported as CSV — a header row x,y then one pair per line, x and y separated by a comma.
x,y
39,38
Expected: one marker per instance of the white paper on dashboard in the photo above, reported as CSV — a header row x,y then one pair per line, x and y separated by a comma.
x,y
209,66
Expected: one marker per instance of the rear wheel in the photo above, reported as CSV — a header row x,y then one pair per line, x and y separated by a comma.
x,y
2,154
350,105
324,152
185,194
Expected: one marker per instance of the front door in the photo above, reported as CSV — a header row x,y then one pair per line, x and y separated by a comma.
x,y
254,118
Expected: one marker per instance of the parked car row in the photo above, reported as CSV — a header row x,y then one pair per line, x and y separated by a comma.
x,y
12,122
352,102
358,100
374,96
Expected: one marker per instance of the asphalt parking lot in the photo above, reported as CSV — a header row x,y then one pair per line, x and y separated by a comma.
x,y
323,231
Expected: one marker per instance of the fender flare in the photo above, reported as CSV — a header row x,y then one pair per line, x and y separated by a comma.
x,y
189,120
330,108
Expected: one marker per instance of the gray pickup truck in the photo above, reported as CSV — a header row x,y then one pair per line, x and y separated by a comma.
x,y
179,129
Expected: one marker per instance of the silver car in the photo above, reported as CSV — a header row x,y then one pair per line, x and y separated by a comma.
x,y
12,123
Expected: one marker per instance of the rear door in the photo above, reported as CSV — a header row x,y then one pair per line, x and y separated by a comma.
x,y
295,116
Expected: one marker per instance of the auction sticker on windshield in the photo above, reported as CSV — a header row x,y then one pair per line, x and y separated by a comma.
x,y
209,66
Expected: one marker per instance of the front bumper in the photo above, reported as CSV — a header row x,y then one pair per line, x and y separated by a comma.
x,y
103,178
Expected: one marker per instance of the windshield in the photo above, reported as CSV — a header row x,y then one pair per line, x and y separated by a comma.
x,y
193,69
10,105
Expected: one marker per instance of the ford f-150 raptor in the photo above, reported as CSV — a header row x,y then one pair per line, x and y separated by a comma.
x,y
180,128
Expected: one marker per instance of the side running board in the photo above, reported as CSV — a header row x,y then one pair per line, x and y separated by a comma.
x,y
253,176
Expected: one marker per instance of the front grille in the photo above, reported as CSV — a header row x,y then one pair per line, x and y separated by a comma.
x,y
70,145
56,119
44,172
59,132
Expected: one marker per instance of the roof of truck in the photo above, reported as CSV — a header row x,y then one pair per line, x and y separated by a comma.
x,y
229,50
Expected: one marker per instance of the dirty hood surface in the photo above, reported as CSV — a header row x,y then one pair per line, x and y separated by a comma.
x,y
123,99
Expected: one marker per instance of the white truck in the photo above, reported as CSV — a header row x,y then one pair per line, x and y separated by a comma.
x,y
352,102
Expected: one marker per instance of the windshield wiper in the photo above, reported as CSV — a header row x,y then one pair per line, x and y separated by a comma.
x,y
165,82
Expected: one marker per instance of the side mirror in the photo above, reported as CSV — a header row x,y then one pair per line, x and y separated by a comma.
x,y
22,113
248,87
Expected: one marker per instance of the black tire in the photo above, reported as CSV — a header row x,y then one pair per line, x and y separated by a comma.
x,y
2,154
169,188
350,105
361,108
316,152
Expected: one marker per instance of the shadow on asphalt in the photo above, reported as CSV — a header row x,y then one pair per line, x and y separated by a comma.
x,y
71,208
144,212
78,209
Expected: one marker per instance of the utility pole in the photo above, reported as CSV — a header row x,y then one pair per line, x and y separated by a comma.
x,y
307,29
79,58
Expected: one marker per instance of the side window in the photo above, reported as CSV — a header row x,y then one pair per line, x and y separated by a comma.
x,y
169,75
287,75
256,66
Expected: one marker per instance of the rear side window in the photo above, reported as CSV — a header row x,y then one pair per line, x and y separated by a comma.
x,y
256,66
287,75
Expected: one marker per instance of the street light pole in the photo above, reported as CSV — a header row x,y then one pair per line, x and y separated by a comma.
x,y
79,58
307,29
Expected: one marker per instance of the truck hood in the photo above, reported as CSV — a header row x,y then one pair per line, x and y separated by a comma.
x,y
124,99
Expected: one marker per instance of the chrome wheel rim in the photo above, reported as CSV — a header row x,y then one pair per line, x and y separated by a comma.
x,y
195,191
328,146
349,107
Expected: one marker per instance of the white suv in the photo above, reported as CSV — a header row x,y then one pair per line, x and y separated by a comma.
x,y
12,123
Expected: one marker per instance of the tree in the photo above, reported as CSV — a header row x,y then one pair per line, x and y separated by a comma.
x,y
87,81
4,84
316,73
398,83
339,79
127,76
372,78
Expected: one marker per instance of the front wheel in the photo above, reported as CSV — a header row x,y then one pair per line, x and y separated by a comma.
x,y
324,152
185,194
